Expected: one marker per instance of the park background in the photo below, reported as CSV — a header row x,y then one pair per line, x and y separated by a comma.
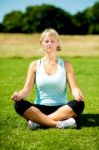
x,y
19,45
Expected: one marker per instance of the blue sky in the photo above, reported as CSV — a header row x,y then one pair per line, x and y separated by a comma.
x,y
71,6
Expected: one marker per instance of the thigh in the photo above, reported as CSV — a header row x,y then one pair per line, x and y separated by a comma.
x,y
23,105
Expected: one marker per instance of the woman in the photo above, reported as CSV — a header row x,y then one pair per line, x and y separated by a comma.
x,y
50,74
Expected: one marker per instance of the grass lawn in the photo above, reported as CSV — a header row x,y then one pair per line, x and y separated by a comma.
x,y
14,133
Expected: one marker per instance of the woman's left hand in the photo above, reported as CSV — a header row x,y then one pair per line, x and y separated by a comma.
x,y
77,94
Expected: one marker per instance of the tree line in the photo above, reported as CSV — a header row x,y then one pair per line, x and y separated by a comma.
x,y
36,18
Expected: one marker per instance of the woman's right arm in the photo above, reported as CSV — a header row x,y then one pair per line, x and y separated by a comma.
x,y
17,96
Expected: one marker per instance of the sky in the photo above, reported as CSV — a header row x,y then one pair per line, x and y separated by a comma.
x,y
71,6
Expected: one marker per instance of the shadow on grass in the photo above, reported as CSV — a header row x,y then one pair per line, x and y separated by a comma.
x,y
88,120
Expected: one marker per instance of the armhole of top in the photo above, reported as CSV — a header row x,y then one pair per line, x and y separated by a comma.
x,y
61,62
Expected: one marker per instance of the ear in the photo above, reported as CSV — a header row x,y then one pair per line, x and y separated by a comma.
x,y
58,46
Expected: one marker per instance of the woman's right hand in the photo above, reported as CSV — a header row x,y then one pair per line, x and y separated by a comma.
x,y
17,96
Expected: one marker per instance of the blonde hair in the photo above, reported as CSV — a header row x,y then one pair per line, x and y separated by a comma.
x,y
52,32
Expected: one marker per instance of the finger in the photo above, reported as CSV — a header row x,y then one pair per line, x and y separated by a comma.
x,y
14,96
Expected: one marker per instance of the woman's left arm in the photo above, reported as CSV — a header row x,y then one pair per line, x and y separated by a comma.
x,y
76,92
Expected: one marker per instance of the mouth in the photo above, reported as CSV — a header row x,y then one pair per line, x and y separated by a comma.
x,y
48,47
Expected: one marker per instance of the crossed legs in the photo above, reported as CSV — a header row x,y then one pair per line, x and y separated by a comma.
x,y
34,114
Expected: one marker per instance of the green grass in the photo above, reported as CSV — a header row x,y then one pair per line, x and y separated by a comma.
x,y
14,133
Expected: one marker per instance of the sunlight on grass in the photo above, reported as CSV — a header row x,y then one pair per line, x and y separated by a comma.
x,y
14,133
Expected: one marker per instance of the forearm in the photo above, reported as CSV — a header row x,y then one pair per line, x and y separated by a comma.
x,y
17,96
24,93
77,94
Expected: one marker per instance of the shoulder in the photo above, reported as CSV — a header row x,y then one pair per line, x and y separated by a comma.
x,y
33,66
68,66
66,62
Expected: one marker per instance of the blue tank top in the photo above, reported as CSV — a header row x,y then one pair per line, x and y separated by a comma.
x,y
51,89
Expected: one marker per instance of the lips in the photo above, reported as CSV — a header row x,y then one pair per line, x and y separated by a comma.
x,y
48,47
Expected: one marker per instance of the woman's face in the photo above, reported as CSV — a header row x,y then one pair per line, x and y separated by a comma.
x,y
49,43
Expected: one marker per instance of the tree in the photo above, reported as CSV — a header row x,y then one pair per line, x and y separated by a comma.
x,y
94,27
1,27
87,22
37,18
12,22
81,22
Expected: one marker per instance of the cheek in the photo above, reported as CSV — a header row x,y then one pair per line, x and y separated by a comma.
x,y
56,45
42,45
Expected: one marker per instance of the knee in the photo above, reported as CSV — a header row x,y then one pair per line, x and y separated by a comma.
x,y
18,107
21,106
77,106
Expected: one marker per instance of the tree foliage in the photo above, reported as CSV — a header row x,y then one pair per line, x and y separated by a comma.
x,y
37,18
12,22
87,22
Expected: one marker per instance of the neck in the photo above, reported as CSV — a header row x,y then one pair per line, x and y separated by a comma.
x,y
50,58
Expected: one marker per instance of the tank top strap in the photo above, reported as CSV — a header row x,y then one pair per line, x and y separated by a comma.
x,y
61,62
39,62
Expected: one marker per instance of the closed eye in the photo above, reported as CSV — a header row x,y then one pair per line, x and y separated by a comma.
x,y
47,41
